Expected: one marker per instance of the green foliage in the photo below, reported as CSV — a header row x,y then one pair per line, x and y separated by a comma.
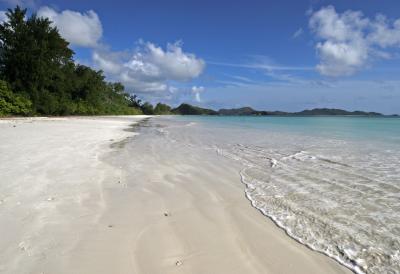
x,y
134,101
147,108
37,63
12,104
32,54
162,109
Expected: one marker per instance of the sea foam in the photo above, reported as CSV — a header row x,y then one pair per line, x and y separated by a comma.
x,y
332,205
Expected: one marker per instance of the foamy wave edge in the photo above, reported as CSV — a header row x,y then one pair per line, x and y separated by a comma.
x,y
354,267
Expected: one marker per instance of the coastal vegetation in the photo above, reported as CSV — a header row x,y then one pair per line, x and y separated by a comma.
x,y
40,77
11,103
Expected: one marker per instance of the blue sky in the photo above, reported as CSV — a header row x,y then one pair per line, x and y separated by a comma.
x,y
275,55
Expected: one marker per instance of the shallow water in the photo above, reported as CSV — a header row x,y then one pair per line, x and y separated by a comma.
x,y
332,183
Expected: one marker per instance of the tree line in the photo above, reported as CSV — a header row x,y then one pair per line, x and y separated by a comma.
x,y
38,75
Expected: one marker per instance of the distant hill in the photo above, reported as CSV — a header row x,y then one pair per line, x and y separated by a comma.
x,y
307,112
333,111
246,111
186,109
241,111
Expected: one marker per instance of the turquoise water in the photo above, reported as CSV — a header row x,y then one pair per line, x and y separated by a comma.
x,y
370,128
332,183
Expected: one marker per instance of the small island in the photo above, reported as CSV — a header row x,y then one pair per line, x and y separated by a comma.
x,y
186,109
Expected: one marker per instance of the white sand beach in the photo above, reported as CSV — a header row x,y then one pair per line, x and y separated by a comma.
x,y
76,196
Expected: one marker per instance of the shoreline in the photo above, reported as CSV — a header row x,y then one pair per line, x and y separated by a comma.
x,y
163,209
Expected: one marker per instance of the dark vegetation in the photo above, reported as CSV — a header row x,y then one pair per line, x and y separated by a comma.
x,y
38,75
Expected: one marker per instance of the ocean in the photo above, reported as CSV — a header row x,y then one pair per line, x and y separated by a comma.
x,y
331,183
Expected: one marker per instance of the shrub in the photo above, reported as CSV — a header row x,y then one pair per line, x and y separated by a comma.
x,y
11,103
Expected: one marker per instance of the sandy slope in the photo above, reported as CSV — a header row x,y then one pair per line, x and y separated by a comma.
x,y
70,203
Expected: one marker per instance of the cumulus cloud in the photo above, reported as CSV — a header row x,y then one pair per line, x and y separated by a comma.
x,y
383,33
196,91
156,63
349,41
108,62
150,68
80,29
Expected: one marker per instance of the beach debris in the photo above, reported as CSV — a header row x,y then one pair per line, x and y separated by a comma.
x,y
178,263
51,199
14,126
274,162
23,246
110,226
166,214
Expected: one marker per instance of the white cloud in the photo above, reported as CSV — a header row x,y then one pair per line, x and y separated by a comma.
x,y
108,64
350,41
260,65
196,91
150,68
3,16
80,29
383,34
154,62
341,58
